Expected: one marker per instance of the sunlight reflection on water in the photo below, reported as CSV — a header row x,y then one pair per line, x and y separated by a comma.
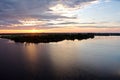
x,y
65,59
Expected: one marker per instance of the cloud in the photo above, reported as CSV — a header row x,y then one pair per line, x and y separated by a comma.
x,y
12,11
19,7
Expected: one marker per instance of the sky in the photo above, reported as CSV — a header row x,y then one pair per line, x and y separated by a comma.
x,y
20,16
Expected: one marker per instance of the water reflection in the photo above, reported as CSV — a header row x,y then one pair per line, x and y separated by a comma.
x,y
31,56
93,59
63,56
38,61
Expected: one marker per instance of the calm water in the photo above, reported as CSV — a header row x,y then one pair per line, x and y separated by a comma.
x,y
91,59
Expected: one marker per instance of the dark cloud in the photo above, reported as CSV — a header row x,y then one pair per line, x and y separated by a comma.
x,y
39,6
13,10
68,23
73,3
77,23
8,22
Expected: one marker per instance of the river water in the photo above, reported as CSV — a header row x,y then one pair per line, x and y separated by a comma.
x,y
91,59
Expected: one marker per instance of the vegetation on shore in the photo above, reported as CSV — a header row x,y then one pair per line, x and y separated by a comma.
x,y
52,37
47,37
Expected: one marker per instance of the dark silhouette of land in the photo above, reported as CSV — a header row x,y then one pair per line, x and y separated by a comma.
x,y
106,34
46,37
52,37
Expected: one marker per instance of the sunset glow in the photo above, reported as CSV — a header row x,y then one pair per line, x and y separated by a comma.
x,y
59,16
35,31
